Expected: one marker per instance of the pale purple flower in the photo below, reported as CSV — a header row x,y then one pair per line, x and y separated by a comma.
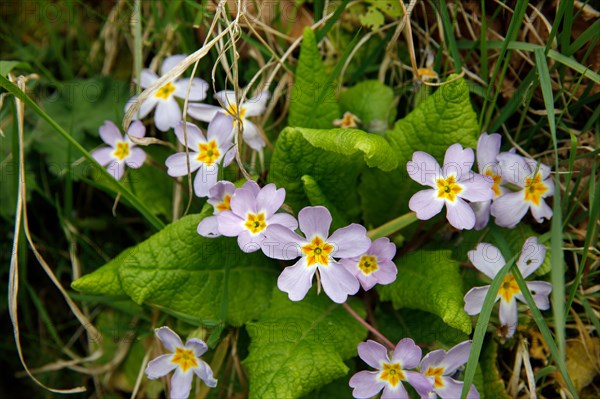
x,y
374,266
391,372
252,107
317,250
168,113
205,153
488,148
488,260
184,359
219,196
252,212
536,184
450,186
121,151
439,365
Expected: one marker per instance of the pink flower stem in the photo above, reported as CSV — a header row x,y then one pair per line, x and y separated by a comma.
x,y
380,337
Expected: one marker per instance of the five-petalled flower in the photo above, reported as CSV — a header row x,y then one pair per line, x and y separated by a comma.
x,y
374,266
317,251
439,366
252,210
219,196
488,260
391,371
448,186
121,151
184,359
239,112
205,153
168,113
536,184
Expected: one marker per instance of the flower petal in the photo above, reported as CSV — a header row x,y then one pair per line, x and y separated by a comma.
x,y
147,78
251,186
373,353
167,115
177,164
488,147
203,112
205,373
338,282
181,384
243,202
257,104
424,169
383,249
270,199
160,367
387,272
296,280
209,227
192,135
509,316
284,219
452,389
509,209
252,136
349,241
218,192
514,168
540,291
474,299
487,259
226,98
168,338
116,169
407,353
110,133
104,155
136,158
459,161
248,242
532,256
366,384
230,224
221,128
170,62
460,215
136,129
432,359
197,91
205,178
282,243
482,213
419,382
426,204
314,220
477,188
145,108
541,212
397,392
456,357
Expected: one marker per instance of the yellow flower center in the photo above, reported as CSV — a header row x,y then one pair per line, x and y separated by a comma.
x,y
208,153
448,188
348,121
225,205
184,358
368,264
392,373
122,150
534,189
165,92
317,251
436,372
427,74
497,179
509,288
256,223
233,111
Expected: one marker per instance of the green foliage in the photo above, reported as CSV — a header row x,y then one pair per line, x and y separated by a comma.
x,y
373,102
493,386
429,281
197,278
297,347
313,103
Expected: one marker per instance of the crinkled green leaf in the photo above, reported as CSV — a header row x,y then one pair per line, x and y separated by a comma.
x,y
372,19
313,103
442,119
191,276
333,158
372,102
316,197
429,281
297,347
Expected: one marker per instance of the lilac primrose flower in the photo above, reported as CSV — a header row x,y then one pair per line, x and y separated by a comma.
x,y
390,372
438,366
219,196
168,113
488,148
449,186
121,150
488,260
317,252
252,211
536,184
375,265
184,359
252,107
205,153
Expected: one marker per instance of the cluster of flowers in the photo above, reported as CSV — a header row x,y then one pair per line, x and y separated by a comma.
x,y
487,191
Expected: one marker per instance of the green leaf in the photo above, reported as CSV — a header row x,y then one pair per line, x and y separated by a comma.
x,y
373,103
429,281
316,197
297,347
372,19
493,387
442,119
7,66
313,103
196,278
333,158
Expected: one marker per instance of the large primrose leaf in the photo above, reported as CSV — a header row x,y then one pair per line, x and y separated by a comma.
x,y
313,103
444,118
429,281
372,102
297,347
200,279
